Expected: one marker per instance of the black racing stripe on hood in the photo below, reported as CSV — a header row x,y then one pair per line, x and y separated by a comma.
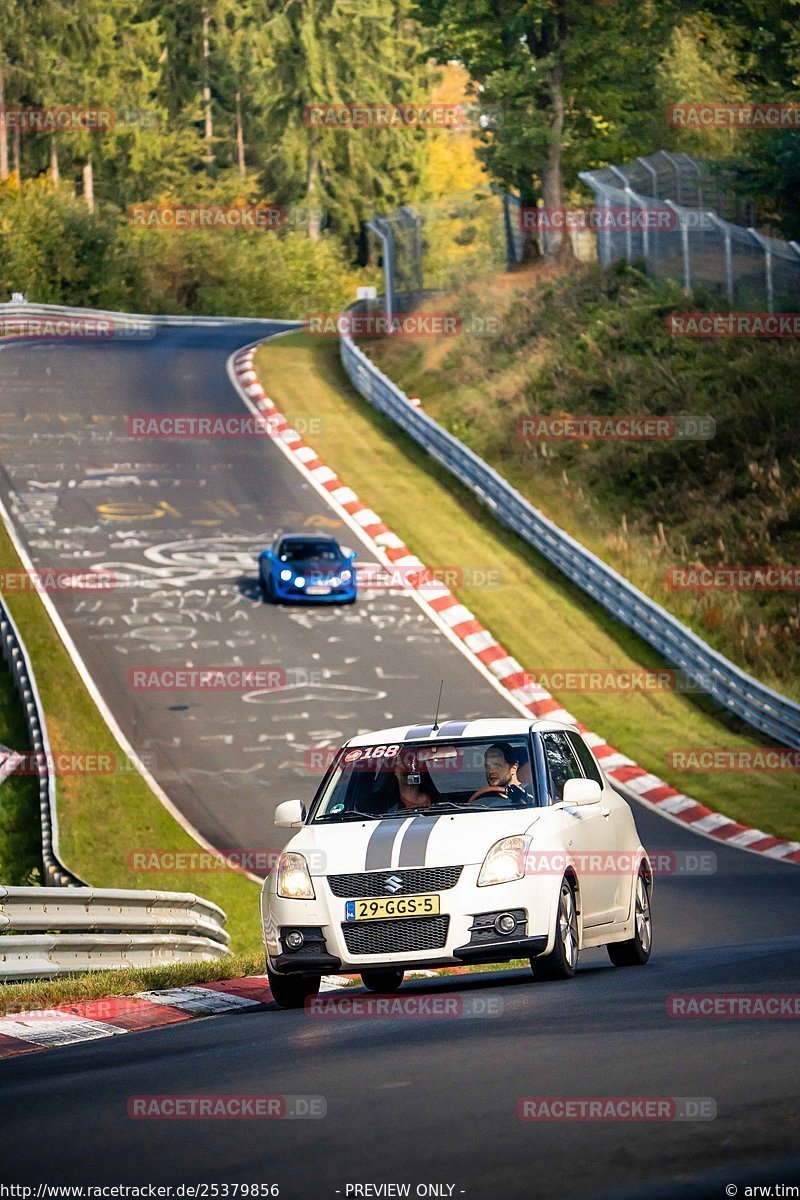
x,y
415,842
381,844
418,731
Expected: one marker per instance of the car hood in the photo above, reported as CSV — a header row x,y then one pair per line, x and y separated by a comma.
x,y
316,566
418,841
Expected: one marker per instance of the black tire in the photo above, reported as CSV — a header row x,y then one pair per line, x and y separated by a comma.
x,y
562,961
636,951
292,991
383,982
266,588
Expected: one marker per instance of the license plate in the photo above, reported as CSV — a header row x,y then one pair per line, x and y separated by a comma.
x,y
391,906
318,591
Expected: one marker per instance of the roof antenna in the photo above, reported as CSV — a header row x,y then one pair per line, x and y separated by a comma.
x,y
438,702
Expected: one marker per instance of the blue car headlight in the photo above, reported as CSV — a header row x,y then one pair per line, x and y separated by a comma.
x,y
286,576
299,581
346,575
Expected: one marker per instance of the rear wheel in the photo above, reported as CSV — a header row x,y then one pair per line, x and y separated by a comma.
x,y
266,587
636,951
562,960
382,981
292,991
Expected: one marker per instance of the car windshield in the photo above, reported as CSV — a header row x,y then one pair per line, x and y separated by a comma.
x,y
300,550
398,780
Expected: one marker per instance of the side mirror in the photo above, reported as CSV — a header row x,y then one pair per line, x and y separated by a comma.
x,y
290,814
582,791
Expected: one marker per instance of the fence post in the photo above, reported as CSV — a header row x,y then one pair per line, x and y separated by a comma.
x,y
511,249
648,166
726,233
676,168
687,267
383,230
765,246
645,232
628,245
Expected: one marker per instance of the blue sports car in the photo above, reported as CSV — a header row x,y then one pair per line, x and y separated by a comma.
x,y
307,567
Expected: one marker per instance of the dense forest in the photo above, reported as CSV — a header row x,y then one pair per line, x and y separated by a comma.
x,y
196,103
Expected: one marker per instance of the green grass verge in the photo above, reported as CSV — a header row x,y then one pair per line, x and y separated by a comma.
x,y
575,341
542,620
20,829
103,818
94,985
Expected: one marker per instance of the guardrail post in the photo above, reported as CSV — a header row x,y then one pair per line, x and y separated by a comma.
x,y
383,230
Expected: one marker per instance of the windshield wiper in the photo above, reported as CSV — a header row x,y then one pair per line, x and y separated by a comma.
x,y
352,814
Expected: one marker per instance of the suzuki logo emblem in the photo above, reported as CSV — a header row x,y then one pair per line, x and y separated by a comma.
x,y
393,883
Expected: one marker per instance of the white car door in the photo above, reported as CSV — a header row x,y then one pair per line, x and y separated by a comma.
x,y
590,837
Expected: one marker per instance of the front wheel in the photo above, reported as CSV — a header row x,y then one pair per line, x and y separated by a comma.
x,y
292,991
382,981
562,961
636,952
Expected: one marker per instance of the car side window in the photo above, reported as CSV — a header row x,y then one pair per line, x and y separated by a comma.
x,y
585,758
561,764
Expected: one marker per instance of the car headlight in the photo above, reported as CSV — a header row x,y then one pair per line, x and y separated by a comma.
x,y
505,861
286,576
334,581
346,575
300,581
293,879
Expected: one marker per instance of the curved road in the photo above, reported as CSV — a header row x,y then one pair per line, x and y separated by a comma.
x,y
425,1101
179,523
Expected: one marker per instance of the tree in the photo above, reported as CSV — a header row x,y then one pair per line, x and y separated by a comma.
x,y
561,84
326,52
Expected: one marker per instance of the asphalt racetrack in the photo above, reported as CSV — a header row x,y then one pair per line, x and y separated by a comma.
x,y
426,1100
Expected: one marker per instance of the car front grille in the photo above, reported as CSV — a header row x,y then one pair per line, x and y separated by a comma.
x,y
413,882
396,937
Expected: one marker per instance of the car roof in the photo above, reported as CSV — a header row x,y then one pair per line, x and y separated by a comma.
x,y
454,730
307,537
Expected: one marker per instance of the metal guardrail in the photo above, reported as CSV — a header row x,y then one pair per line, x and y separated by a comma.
x,y
15,654
50,931
130,325
70,927
736,691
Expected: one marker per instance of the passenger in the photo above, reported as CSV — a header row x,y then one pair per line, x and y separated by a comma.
x,y
501,763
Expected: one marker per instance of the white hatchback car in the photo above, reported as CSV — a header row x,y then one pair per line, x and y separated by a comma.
x,y
470,842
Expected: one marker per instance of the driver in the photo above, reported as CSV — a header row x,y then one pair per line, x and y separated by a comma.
x,y
409,785
501,763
